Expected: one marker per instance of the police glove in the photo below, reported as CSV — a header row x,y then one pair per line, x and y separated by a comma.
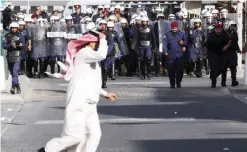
x,y
20,45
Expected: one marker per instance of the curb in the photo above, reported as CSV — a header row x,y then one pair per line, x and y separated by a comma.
x,y
25,84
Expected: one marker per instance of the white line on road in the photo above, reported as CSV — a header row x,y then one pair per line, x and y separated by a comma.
x,y
126,82
122,120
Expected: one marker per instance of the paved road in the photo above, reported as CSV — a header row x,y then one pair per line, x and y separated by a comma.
x,y
148,117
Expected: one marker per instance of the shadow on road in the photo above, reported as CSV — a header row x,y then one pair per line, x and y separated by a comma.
x,y
193,145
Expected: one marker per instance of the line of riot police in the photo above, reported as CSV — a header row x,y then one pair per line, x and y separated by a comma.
x,y
137,44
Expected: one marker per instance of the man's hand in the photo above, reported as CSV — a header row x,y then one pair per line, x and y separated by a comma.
x,y
183,49
102,36
166,54
111,96
180,42
20,45
29,47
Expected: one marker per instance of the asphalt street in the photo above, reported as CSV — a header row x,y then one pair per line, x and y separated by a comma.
x,y
147,117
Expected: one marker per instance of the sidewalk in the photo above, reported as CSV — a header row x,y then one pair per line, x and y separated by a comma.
x,y
12,104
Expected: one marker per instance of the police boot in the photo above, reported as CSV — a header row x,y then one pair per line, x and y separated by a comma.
x,y
113,72
234,77
157,68
148,64
104,77
45,67
223,78
199,69
12,90
138,68
41,68
29,66
143,74
41,149
52,65
18,89
190,68
35,65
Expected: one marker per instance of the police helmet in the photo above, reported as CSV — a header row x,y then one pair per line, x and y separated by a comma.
x,y
117,7
28,19
123,21
110,24
22,23
134,16
14,25
90,26
102,22
160,15
232,22
133,21
107,6
158,9
112,17
144,19
197,20
215,11
21,16
138,18
100,7
69,17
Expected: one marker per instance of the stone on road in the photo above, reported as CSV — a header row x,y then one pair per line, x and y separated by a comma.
x,y
147,117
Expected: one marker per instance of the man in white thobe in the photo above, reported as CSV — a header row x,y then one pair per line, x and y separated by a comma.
x,y
81,132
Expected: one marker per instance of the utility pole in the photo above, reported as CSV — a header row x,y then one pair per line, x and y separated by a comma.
x,y
240,37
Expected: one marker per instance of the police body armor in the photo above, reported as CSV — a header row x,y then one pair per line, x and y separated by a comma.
x,y
14,52
144,36
196,37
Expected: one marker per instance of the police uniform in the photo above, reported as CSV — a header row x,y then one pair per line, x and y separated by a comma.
x,y
175,55
77,17
14,43
231,58
146,44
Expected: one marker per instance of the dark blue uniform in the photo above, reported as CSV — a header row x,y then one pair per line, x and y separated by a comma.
x,y
77,17
24,53
175,56
12,44
231,58
195,44
146,43
111,37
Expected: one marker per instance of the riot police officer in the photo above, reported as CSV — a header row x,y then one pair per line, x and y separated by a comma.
x,y
14,43
195,44
158,55
133,30
174,43
130,58
40,46
26,47
77,16
57,44
117,48
224,19
146,44
230,56
99,15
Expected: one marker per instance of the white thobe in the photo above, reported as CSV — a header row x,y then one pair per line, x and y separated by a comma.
x,y
81,130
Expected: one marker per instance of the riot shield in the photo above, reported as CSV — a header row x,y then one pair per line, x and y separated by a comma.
x,y
164,27
57,41
119,30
